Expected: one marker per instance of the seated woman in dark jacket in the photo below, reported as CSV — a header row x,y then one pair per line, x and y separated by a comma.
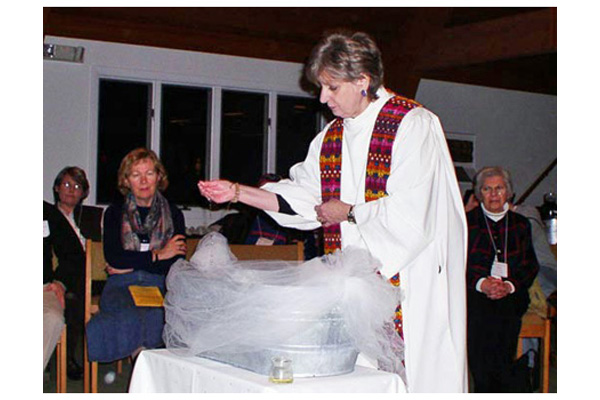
x,y
143,237
501,266
72,226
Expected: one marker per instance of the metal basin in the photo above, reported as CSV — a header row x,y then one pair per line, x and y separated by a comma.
x,y
322,348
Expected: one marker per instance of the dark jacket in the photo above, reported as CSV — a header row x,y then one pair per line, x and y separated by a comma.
x,y
63,240
119,258
522,262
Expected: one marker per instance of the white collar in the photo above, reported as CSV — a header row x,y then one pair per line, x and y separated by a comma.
x,y
371,110
495,216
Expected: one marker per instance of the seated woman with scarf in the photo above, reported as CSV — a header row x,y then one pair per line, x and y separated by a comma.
x,y
143,237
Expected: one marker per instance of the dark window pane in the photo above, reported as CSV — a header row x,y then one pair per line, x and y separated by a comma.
x,y
185,124
243,136
297,125
123,125
461,150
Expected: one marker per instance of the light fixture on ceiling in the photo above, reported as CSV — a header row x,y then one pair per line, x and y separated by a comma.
x,y
60,52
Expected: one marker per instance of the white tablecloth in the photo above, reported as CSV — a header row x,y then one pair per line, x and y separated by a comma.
x,y
160,371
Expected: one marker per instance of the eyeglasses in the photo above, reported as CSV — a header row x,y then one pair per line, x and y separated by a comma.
x,y
69,185
497,189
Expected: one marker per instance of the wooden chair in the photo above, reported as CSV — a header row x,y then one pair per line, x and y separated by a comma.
x,y
536,326
536,323
61,362
94,270
289,252
60,351
94,258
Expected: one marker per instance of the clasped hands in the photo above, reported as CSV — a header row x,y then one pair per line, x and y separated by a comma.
x,y
332,212
495,288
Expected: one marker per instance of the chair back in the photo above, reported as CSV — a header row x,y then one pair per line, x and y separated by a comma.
x,y
287,252
95,265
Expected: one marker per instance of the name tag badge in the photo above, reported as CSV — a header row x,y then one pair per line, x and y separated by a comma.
x,y
144,246
499,269
46,229
264,241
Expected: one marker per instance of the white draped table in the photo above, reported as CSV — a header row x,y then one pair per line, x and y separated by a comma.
x,y
160,371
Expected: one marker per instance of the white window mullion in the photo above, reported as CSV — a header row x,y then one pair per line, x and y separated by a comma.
x,y
214,158
156,119
272,133
93,134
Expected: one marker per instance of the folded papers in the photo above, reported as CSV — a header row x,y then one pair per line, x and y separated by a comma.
x,y
146,296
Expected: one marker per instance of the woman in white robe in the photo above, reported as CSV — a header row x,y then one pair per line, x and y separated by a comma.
x,y
418,230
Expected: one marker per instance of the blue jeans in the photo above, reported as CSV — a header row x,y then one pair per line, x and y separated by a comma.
x,y
121,327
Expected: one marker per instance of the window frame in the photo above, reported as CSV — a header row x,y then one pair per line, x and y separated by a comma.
x,y
156,80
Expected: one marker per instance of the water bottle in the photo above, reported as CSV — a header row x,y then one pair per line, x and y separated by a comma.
x,y
548,213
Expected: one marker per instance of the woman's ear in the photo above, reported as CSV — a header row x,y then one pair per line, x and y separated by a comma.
x,y
364,81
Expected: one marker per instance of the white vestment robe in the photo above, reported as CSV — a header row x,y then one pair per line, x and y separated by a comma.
x,y
418,230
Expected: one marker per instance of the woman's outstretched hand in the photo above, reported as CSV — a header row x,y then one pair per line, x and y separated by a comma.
x,y
217,191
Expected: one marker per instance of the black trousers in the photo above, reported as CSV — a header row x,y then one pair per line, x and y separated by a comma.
x,y
74,316
493,328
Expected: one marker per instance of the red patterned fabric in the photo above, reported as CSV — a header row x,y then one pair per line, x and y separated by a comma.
x,y
331,175
382,141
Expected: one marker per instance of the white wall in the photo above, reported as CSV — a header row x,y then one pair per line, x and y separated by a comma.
x,y
513,129
71,91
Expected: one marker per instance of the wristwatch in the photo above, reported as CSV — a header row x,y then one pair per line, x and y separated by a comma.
x,y
351,218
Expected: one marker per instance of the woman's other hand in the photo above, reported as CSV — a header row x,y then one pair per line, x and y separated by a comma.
x,y
58,290
332,212
176,246
116,271
471,203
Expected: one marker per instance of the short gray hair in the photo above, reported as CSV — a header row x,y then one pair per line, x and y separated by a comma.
x,y
346,56
488,172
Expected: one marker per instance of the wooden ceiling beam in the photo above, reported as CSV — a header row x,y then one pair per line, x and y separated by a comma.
x,y
415,42
520,35
182,38
401,52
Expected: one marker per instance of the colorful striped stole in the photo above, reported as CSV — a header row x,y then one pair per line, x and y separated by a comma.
x,y
378,168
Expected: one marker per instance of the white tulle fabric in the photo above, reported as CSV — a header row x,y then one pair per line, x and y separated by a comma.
x,y
216,303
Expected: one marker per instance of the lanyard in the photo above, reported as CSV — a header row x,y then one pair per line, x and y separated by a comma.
x,y
492,237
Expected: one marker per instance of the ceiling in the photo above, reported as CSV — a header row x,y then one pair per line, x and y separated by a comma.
x,y
510,47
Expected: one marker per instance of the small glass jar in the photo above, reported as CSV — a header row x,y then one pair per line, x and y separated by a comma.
x,y
281,370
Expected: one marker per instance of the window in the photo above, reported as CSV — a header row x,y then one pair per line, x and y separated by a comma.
x,y
184,135
123,124
297,125
243,136
189,127
462,151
